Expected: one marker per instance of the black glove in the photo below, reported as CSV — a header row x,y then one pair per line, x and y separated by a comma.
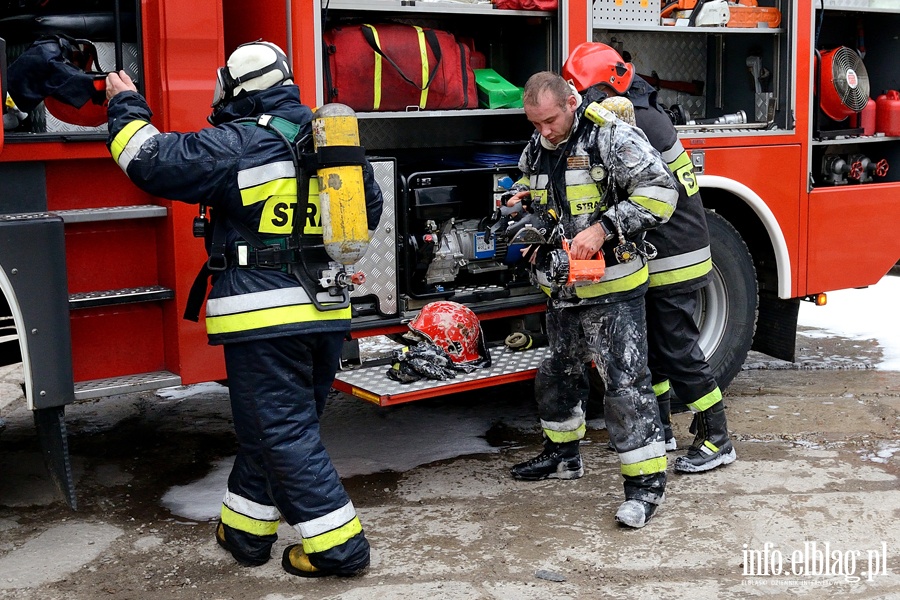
x,y
422,360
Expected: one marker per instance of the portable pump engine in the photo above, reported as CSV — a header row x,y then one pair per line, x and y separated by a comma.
x,y
448,234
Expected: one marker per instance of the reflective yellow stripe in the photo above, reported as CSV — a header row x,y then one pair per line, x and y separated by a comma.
x,y
679,275
376,104
711,446
583,198
269,171
644,453
127,144
333,538
327,522
423,52
254,510
662,209
645,467
623,284
598,114
662,387
683,170
247,524
539,196
706,401
121,139
582,191
271,317
277,187
602,288
560,437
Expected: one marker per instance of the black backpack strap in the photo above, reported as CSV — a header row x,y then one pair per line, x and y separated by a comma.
x,y
197,294
430,37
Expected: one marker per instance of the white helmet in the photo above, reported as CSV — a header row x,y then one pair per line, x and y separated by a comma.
x,y
251,67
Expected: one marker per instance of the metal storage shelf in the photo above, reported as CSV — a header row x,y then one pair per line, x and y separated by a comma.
x,y
418,7
861,139
686,131
676,29
425,114
873,6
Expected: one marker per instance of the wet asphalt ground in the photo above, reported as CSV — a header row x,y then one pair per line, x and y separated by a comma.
x,y
816,476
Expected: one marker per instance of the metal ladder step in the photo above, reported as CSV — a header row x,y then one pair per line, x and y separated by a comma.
x,y
98,388
150,293
112,213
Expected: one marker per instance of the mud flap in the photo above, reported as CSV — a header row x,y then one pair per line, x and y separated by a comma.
x,y
51,429
33,282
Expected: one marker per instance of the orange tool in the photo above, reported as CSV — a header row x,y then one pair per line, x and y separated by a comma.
x,y
566,270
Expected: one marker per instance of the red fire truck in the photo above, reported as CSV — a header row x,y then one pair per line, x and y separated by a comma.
x,y
774,101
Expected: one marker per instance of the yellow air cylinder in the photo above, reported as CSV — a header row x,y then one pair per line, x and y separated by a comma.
x,y
342,197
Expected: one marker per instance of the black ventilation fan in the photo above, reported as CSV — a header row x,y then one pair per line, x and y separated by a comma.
x,y
843,83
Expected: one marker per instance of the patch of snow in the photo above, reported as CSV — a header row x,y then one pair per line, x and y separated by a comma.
x,y
885,451
860,315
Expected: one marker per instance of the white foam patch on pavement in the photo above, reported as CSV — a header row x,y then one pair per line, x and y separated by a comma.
x,y
200,500
55,554
182,392
884,453
362,438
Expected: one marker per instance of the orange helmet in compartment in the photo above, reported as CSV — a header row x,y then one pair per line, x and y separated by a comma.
x,y
594,63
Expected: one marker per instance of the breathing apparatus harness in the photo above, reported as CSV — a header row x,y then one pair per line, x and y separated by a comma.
x,y
287,254
625,250
562,268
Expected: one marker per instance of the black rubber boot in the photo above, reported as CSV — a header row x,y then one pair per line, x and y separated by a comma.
x,y
559,461
249,551
665,415
711,446
636,513
295,561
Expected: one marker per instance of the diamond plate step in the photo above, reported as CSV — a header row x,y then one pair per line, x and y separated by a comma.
x,y
98,388
370,383
151,293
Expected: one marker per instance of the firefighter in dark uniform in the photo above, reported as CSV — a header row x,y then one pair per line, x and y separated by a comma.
x,y
281,348
679,269
598,182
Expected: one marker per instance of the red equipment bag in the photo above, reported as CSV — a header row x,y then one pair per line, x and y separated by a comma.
x,y
395,67
526,4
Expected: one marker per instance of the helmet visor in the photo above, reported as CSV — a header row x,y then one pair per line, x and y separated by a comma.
x,y
222,87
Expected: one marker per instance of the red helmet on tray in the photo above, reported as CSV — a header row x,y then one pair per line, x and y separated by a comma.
x,y
453,327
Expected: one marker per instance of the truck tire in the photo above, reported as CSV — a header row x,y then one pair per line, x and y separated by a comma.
x,y
726,308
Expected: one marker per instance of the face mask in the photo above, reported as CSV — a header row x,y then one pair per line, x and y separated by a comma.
x,y
224,85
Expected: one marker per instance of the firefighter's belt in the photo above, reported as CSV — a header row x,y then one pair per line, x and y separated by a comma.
x,y
246,256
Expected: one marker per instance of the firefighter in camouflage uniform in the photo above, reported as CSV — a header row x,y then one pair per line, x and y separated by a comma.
x,y
281,348
598,182
679,269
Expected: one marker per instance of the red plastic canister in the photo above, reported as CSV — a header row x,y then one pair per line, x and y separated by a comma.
x,y
865,118
887,113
